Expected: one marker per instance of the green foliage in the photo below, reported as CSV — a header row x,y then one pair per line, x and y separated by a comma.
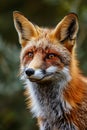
x,y
13,112
9,65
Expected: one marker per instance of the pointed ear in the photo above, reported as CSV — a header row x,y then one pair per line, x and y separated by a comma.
x,y
67,28
26,30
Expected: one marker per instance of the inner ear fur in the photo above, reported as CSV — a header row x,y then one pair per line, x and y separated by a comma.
x,y
26,30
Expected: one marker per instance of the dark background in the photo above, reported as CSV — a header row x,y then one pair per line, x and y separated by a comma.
x,y
14,114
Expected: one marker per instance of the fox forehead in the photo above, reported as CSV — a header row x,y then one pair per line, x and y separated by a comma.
x,y
44,38
44,43
39,44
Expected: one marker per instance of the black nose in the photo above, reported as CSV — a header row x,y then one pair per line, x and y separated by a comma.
x,y
29,72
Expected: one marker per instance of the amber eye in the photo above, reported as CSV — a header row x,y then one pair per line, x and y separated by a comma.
x,y
51,56
30,54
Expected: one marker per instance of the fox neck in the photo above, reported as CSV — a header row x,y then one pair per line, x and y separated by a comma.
x,y
47,99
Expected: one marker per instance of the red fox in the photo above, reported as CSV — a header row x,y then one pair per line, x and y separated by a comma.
x,y
55,87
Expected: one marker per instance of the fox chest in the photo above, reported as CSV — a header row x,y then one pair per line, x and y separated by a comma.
x,y
48,102
53,114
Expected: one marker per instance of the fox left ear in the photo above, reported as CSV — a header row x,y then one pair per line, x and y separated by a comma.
x,y
26,30
67,28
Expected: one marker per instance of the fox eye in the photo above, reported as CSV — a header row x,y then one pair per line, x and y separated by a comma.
x,y
30,54
51,56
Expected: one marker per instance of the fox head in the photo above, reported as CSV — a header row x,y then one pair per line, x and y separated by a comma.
x,y
46,53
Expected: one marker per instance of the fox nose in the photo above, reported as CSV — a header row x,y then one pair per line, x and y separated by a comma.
x,y
29,72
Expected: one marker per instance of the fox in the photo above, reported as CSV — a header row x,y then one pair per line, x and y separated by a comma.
x,y
55,87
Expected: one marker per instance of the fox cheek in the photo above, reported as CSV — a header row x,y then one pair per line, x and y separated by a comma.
x,y
56,63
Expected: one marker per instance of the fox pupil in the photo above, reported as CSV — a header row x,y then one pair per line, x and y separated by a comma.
x,y
30,54
50,56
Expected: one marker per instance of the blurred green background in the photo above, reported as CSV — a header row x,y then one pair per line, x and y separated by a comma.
x,y
14,114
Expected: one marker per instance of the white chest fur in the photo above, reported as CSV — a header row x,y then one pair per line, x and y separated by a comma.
x,y
47,99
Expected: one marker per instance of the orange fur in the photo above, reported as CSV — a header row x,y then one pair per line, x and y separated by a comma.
x,y
60,42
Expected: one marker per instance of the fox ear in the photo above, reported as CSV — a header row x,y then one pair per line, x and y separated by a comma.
x,y
26,30
67,28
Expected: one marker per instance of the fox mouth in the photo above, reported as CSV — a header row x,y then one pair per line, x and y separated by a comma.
x,y
40,75
44,78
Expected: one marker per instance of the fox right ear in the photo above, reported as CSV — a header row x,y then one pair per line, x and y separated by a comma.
x,y
68,27
66,31
26,30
